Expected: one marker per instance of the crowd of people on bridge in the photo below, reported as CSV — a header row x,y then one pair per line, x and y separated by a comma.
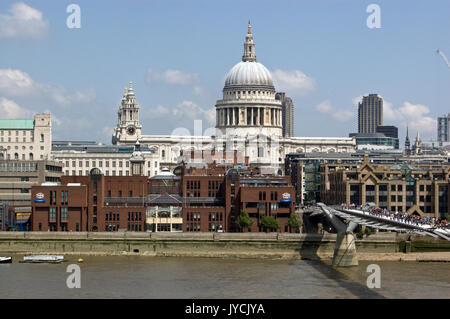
x,y
400,216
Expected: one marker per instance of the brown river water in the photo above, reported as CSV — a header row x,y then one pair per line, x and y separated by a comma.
x,y
170,277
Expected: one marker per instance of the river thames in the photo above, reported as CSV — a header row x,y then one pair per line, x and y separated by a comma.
x,y
170,277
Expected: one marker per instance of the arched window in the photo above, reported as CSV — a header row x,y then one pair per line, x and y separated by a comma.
x,y
31,156
16,156
42,137
163,154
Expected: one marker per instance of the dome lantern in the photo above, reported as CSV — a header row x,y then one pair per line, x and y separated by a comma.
x,y
249,46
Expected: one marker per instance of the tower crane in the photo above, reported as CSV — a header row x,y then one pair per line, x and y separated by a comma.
x,y
443,56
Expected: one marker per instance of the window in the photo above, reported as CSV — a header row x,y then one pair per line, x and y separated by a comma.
x,y
64,214
52,214
42,138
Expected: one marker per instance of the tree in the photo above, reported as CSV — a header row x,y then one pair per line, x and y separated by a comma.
x,y
269,222
368,231
243,220
294,221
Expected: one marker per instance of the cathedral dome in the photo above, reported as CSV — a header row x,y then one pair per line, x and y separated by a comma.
x,y
249,73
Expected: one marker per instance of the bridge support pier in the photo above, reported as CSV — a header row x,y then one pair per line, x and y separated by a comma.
x,y
345,250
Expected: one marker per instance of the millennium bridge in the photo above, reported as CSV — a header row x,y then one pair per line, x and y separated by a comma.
x,y
345,221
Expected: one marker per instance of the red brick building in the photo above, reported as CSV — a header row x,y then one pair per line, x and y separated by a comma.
x,y
199,197
90,203
215,194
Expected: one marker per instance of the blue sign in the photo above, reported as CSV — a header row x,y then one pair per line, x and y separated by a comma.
x,y
39,200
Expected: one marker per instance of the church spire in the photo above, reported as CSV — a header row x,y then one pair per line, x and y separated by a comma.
x,y
407,142
249,46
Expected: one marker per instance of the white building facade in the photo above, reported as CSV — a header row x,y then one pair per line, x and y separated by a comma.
x,y
26,139
248,120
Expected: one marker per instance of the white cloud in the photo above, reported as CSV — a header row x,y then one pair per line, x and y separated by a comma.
x,y
190,111
11,110
294,81
341,115
15,82
182,115
413,115
22,22
172,77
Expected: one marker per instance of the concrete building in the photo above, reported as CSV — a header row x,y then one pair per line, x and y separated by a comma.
x,y
17,178
79,158
287,107
375,141
443,129
388,130
305,168
420,189
26,139
370,113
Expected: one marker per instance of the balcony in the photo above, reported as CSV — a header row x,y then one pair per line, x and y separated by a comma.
x,y
193,201
125,201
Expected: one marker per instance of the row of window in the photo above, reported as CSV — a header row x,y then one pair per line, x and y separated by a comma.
x,y
17,157
93,163
107,173
193,185
193,226
53,212
53,227
193,216
215,216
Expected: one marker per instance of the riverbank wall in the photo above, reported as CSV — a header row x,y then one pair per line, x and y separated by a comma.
x,y
233,245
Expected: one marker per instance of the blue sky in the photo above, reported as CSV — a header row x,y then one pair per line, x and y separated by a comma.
x,y
177,53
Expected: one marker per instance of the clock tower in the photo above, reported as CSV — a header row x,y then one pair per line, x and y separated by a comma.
x,y
128,129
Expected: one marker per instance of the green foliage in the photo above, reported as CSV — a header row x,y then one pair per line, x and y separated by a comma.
x,y
360,233
368,231
269,222
294,221
447,217
243,220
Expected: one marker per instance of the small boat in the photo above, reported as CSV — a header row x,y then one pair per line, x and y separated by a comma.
x,y
43,258
5,260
